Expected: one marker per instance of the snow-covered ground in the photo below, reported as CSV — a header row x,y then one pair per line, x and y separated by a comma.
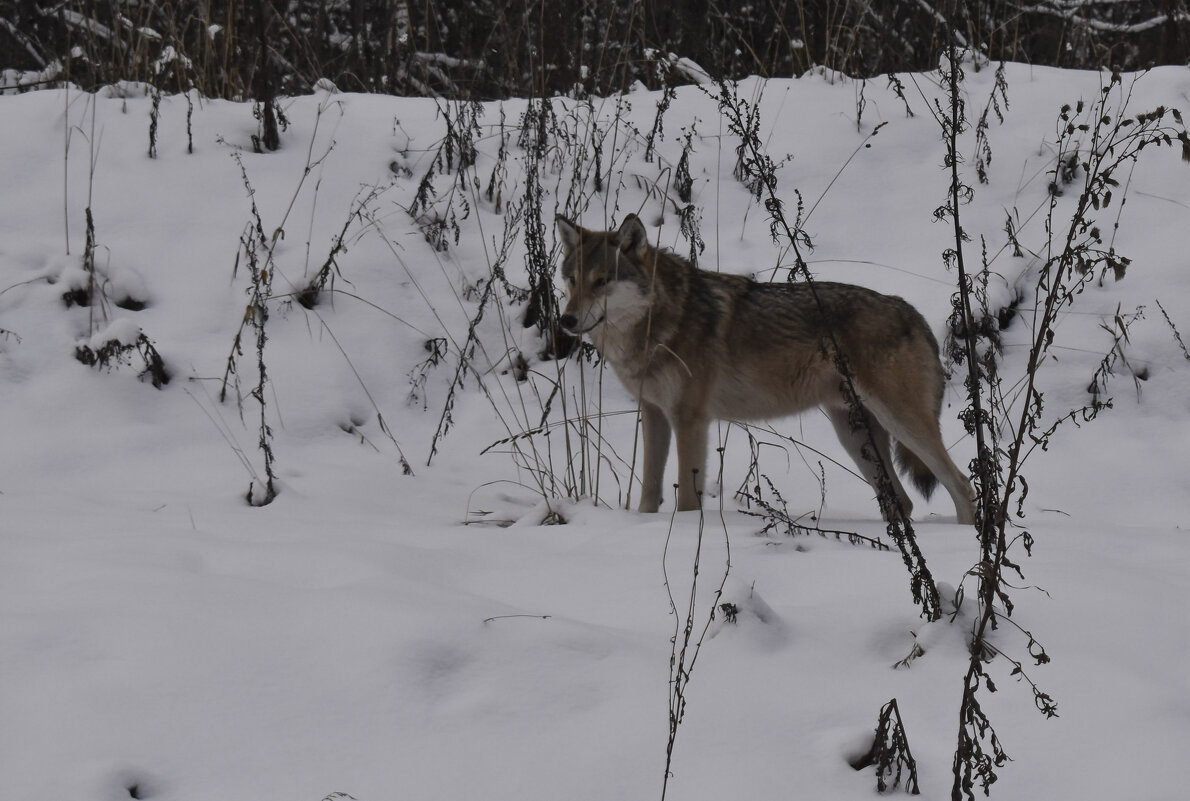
x,y
390,635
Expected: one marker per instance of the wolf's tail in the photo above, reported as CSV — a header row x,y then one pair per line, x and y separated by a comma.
x,y
916,470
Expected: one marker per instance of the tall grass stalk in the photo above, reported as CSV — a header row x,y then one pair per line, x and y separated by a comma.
x,y
689,630
1093,142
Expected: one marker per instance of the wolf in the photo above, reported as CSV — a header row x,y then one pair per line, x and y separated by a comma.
x,y
694,346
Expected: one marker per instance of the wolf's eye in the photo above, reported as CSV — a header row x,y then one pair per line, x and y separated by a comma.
x,y
599,283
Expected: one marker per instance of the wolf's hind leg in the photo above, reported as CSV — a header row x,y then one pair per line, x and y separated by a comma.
x,y
855,441
655,436
915,427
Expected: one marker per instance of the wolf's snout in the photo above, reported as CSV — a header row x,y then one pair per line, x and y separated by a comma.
x,y
569,322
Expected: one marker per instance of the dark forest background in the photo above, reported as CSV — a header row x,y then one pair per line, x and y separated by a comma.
x,y
483,49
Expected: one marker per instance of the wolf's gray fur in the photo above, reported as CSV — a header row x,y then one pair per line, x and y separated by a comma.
x,y
695,346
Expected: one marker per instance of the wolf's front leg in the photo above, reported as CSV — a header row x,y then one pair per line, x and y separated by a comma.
x,y
655,433
692,461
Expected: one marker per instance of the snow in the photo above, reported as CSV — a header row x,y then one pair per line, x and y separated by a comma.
x,y
389,635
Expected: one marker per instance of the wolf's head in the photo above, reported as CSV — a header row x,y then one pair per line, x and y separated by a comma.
x,y
606,275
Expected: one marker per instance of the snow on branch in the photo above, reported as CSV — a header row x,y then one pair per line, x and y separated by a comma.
x,y
1081,12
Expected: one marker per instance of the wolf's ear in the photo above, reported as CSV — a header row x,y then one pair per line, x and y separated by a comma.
x,y
569,232
632,236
